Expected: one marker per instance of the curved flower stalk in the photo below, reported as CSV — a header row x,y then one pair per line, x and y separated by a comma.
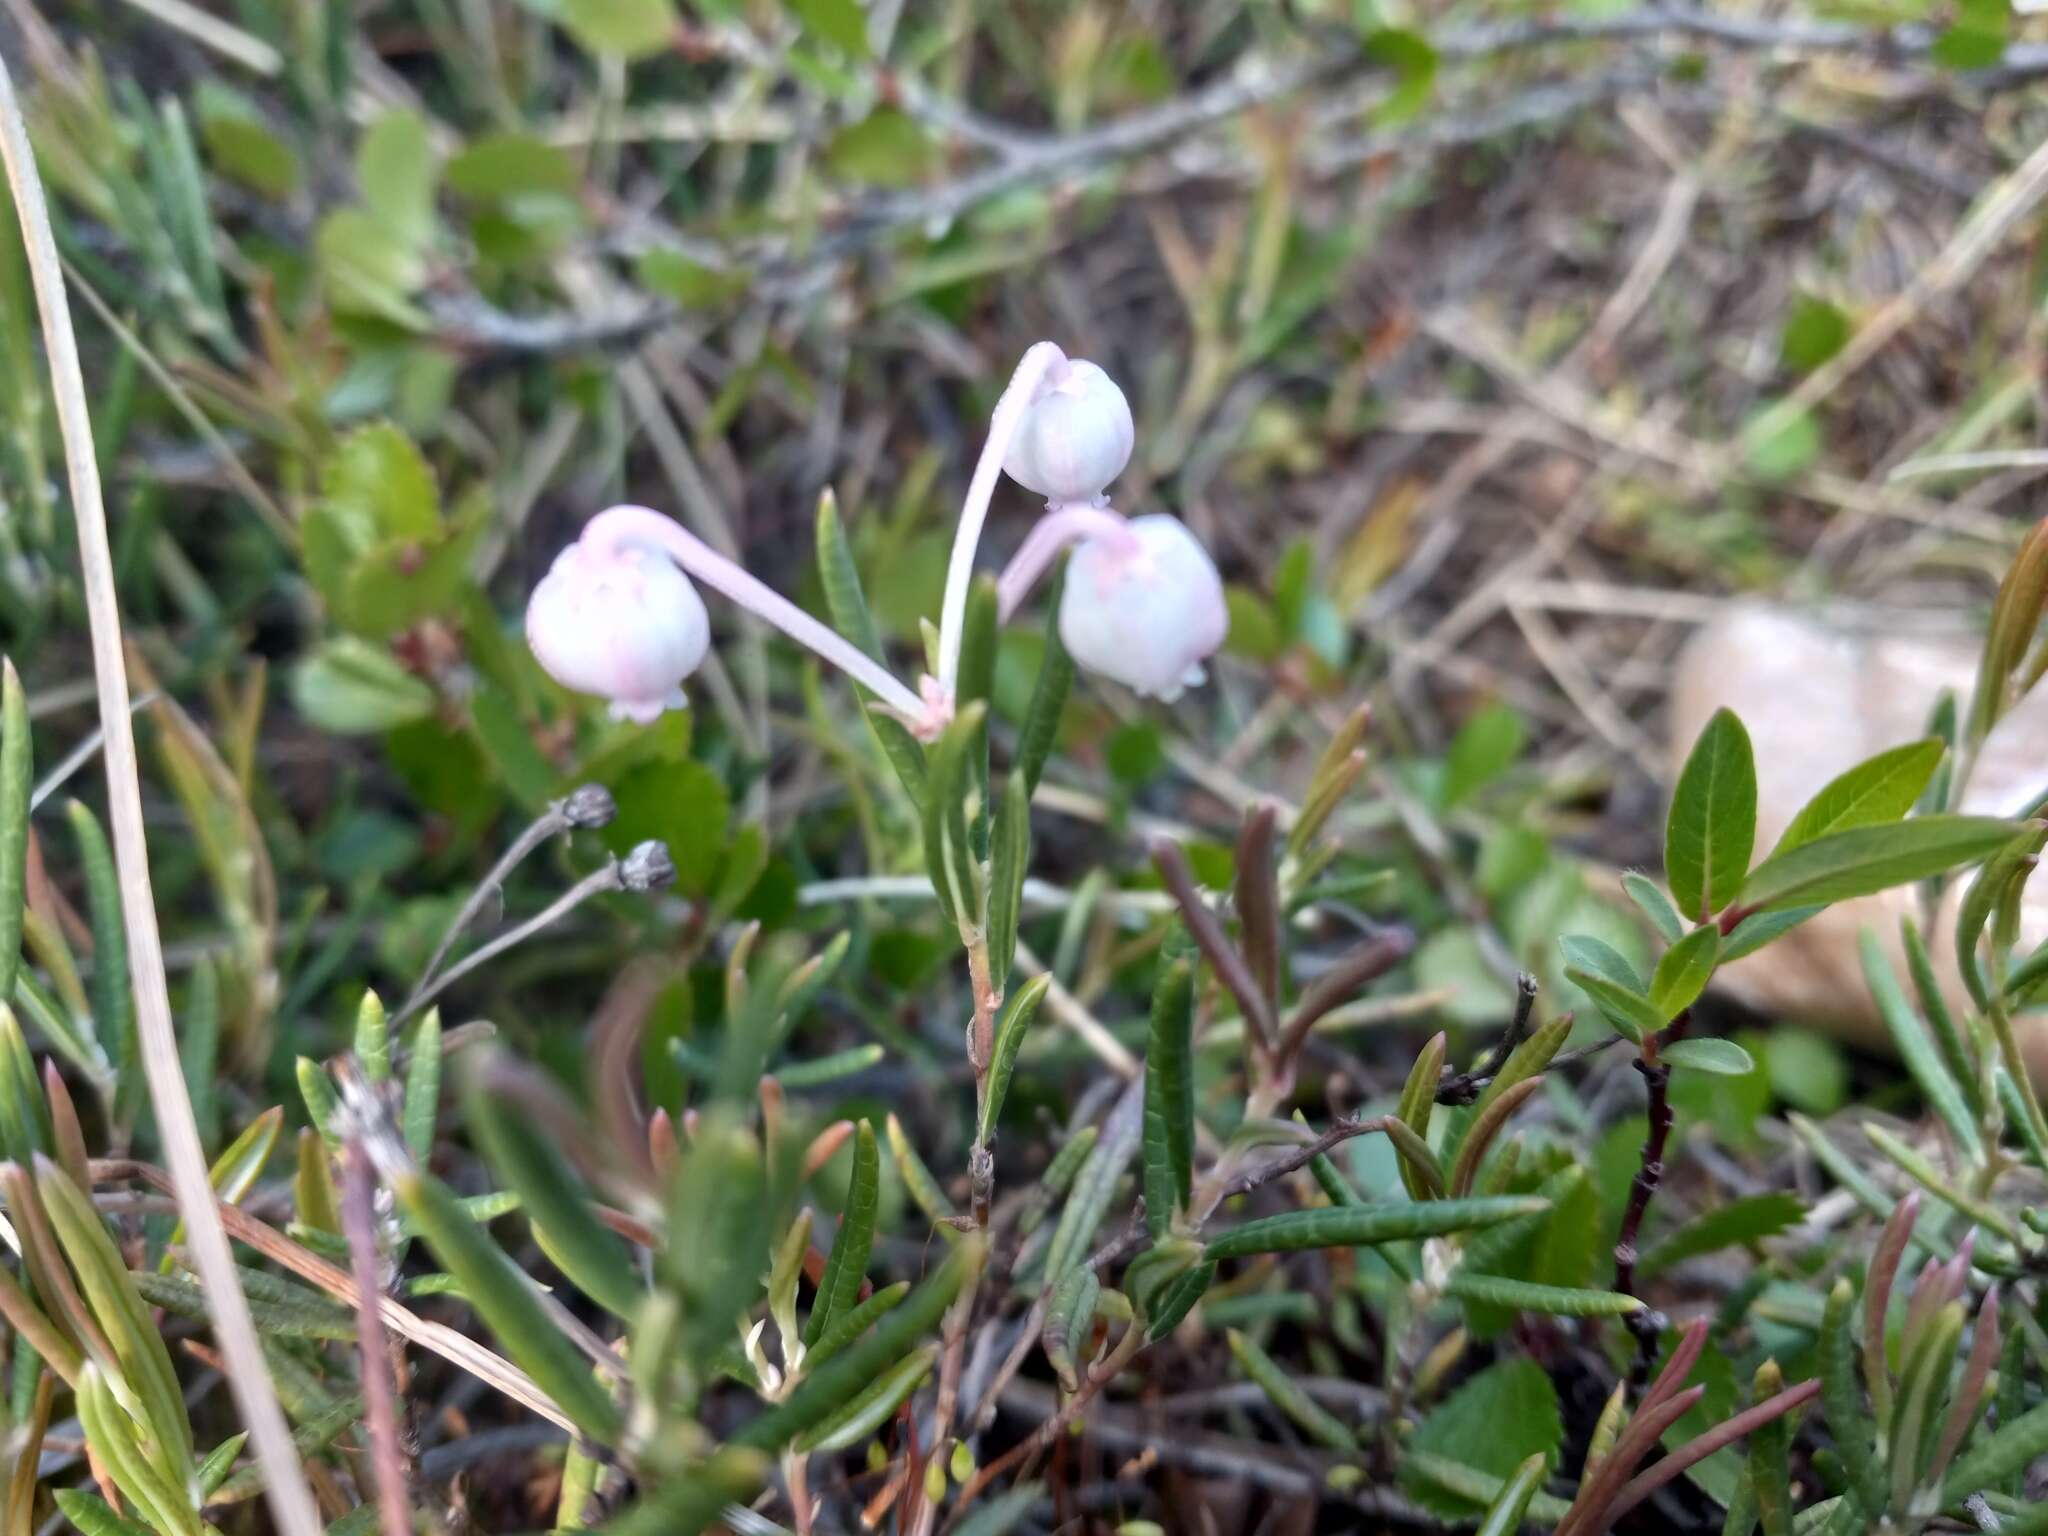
x,y
1143,604
617,616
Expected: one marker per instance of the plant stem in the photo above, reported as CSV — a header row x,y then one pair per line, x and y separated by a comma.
x,y
1649,1174
1064,523
380,1400
1032,368
291,1499
621,527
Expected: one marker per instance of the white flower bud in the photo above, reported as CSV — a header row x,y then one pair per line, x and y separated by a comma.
x,y
1144,606
623,623
1075,437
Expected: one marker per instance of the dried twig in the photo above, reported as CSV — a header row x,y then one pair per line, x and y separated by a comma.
x,y
380,1400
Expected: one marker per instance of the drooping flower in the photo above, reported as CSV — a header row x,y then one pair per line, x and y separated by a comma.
x,y
1075,436
617,617
620,621
1144,606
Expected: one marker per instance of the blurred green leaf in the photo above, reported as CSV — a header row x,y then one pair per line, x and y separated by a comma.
x,y
1493,1423
841,23
632,29
1876,791
1711,830
1864,860
1724,1058
353,688
1484,748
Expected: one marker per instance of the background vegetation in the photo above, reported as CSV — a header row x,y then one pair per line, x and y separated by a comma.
x,y
1490,348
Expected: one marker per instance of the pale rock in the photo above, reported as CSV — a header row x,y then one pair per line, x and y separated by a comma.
x,y
1818,697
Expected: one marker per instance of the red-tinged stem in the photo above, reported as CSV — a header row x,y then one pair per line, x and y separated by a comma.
x,y
1645,1324
1695,1451
380,1398
1587,1515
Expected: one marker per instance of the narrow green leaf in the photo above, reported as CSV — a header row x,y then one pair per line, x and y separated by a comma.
x,y
1960,1060
1316,1421
849,1326
1875,792
1525,1296
976,684
847,1265
2014,861
1093,1188
1625,1008
113,1004
821,1070
1011,1029
848,609
1864,860
1853,1432
872,1408
917,1178
16,769
94,1516
1654,905
1684,970
422,1106
1760,928
1917,1050
1048,698
1418,1105
1179,1298
1724,1058
594,1257
948,843
373,1038
505,1299
850,1371
219,1462
1711,829
1357,1226
1169,1137
2006,1451
317,1090
1008,863
1504,1514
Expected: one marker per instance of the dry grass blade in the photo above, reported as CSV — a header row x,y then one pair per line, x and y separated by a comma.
x,y
457,1349
291,1500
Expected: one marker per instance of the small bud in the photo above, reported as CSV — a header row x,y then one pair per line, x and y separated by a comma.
x,y
934,1482
591,805
1075,438
1144,607
620,622
962,1464
648,867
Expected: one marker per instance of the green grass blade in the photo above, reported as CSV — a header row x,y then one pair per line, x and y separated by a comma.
x,y
848,1264
1169,1133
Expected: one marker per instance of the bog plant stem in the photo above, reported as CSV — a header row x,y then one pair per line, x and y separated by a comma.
x,y
291,1500
380,1399
1649,1175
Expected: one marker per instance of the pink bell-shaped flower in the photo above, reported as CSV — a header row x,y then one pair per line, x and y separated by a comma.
x,y
1143,605
1075,436
618,619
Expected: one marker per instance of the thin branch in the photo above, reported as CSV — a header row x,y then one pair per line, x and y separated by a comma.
x,y
380,1399
1279,1167
291,1500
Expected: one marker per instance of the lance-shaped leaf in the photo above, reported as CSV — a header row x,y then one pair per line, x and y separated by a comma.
x,y
161,1501
504,1297
1011,1029
2015,615
373,1038
1358,1226
1760,928
948,840
16,769
594,1257
236,1170
1875,792
1854,1434
848,609
1527,1296
1316,1421
422,1107
1504,1514
1844,865
1603,973
94,1516
113,1004
1486,1125
1048,696
848,1373
1069,1323
2005,1452
1683,971
1917,1050
1178,1299
872,1408
1418,1104
2003,873
821,1070
317,1089
1009,862
1770,1449
1723,1058
1095,1185
1169,1137
1711,829
847,1266
1654,905
917,1178
849,1326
